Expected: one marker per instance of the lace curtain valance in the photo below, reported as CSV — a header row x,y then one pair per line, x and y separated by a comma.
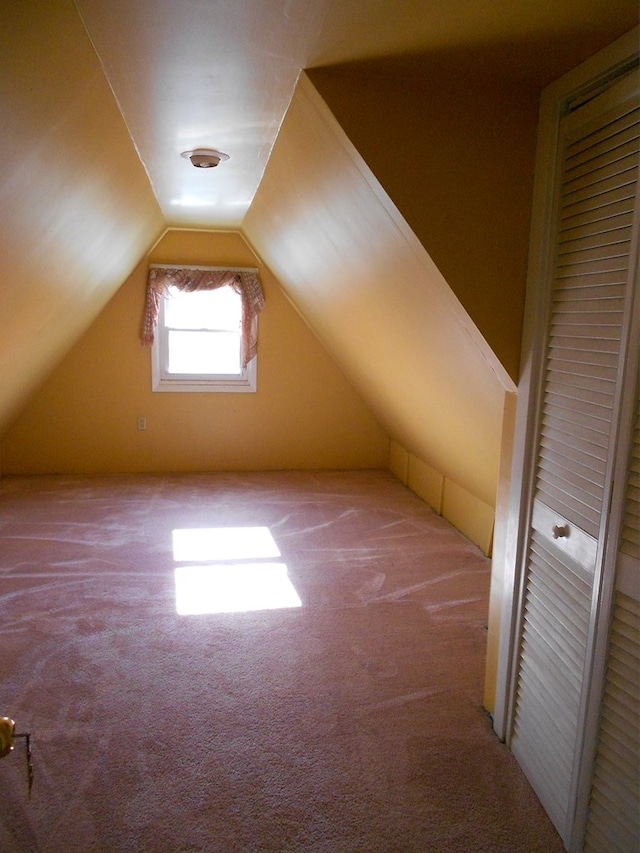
x,y
245,283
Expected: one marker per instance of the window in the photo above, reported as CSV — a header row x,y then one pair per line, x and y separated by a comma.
x,y
202,324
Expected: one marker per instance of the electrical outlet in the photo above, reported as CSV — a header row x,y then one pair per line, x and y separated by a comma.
x,y
142,423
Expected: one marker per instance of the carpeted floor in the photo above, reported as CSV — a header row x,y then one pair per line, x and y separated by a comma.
x,y
350,724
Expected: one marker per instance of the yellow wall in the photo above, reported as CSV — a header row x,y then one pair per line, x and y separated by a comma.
x,y
76,208
304,414
454,149
470,515
359,276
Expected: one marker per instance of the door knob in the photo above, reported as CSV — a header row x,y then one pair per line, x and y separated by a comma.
x,y
560,531
7,736
7,739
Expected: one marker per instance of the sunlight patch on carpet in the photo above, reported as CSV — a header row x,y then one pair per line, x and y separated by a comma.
x,y
223,543
236,588
225,587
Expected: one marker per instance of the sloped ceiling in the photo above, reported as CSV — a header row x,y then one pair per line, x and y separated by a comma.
x,y
76,207
337,243
221,74
100,97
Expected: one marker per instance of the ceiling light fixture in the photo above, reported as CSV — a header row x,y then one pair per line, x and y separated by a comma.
x,y
204,158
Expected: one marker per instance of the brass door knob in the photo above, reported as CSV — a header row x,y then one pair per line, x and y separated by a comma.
x,y
7,735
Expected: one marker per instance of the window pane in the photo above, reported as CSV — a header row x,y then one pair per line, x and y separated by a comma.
x,y
205,309
204,352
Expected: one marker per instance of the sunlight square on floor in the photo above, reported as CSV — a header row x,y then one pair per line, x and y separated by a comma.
x,y
235,588
227,583
223,543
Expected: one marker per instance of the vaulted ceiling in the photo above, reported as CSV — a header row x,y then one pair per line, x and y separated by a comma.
x,y
220,74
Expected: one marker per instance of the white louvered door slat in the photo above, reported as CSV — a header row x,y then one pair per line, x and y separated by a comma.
x,y
580,388
614,815
613,823
630,541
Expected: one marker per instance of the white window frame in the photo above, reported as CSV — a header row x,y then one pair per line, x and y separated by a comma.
x,y
163,381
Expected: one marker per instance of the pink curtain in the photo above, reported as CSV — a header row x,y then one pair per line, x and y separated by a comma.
x,y
246,284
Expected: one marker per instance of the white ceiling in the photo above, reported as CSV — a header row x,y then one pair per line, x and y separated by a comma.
x,y
221,73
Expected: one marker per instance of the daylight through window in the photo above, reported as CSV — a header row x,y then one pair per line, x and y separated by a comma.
x,y
198,343
202,324
203,332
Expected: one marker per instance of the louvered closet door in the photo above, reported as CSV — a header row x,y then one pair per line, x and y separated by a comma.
x,y
613,824
590,283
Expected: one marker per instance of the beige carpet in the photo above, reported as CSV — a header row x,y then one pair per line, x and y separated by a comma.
x,y
350,723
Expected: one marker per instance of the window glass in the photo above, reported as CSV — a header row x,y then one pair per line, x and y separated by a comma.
x,y
204,309
204,352
198,346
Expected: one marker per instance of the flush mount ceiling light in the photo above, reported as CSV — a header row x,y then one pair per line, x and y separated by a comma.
x,y
204,158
